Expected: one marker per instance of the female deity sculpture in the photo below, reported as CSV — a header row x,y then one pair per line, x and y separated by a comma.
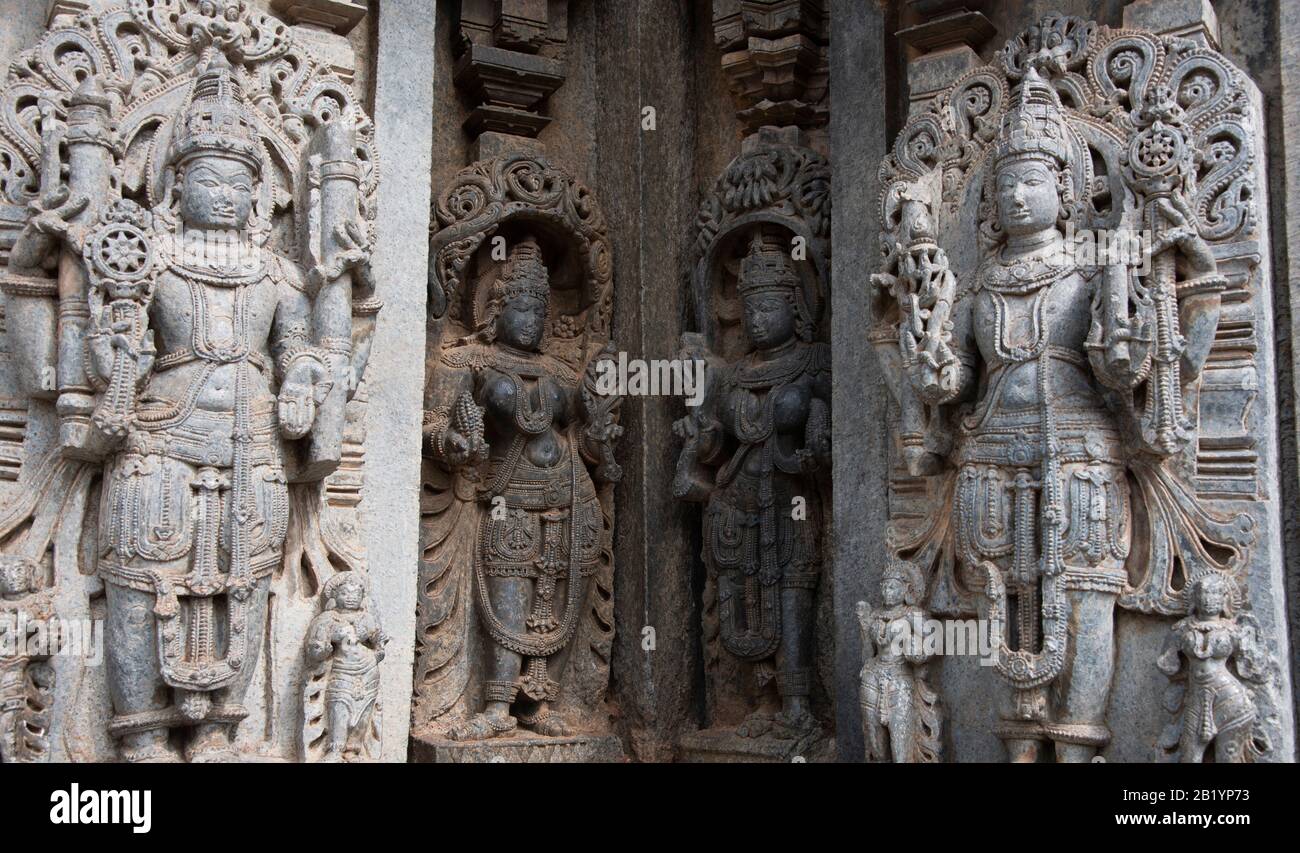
x,y
1225,664
901,717
530,437
345,644
205,347
765,427
1054,381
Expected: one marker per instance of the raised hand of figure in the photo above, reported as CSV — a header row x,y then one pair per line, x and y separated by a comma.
x,y
456,448
604,429
1183,235
105,345
305,385
49,221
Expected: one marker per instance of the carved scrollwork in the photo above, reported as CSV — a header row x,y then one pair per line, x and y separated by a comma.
x,y
519,186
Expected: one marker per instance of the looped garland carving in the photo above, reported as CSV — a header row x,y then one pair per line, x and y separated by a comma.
x,y
491,192
146,51
786,180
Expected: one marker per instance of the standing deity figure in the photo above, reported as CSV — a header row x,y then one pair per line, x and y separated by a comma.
x,y
901,717
345,645
521,428
207,356
1225,661
1049,379
765,427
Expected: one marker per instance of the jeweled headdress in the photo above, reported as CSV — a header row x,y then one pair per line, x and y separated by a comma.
x,y
216,119
525,274
1034,124
767,267
910,575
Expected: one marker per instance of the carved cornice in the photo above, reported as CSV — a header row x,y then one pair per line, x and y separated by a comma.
x,y
775,60
510,60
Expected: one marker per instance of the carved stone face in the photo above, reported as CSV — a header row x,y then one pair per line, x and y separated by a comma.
x,y
350,596
217,193
1027,197
893,591
1210,598
14,577
769,320
522,322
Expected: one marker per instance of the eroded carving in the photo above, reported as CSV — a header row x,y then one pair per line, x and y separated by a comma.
x,y
901,715
756,451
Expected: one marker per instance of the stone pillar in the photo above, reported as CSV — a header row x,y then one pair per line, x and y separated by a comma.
x,y
861,47
404,123
1287,298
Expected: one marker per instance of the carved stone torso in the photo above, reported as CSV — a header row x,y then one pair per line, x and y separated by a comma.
x,y
523,399
1012,326
766,403
207,331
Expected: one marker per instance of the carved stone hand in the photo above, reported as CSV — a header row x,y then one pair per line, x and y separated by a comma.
x,y
305,385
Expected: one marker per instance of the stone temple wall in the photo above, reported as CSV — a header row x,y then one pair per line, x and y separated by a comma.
x,y
466,213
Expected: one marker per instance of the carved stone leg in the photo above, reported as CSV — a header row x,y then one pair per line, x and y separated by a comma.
x,y
1079,724
902,728
794,656
215,741
135,682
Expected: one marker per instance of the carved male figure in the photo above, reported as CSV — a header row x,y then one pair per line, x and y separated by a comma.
x,y
1040,355
346,638
900,711
200,389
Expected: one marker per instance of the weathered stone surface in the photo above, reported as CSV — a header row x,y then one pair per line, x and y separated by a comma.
x,y
200,416
391,497
514,621
520,749
1177,514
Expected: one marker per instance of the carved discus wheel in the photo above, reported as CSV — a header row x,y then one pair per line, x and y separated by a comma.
x,y
122,252
1157,150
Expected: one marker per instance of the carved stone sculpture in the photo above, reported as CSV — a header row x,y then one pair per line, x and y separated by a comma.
x,y
753,450
1050,393
515,600
901,717
199,189
1227,665
345,644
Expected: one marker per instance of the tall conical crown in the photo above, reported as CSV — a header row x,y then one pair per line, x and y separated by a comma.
x,y
216,119
1034,124
767,267
524,274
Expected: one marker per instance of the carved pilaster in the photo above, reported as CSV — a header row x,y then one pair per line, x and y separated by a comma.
x,y
946,40
775,60
323,25
511,60
1192,19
